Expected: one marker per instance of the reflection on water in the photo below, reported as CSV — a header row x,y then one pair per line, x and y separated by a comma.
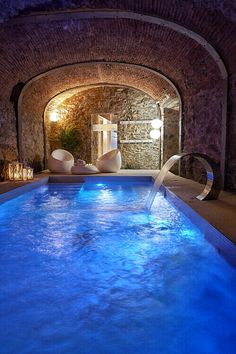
x,y
86,270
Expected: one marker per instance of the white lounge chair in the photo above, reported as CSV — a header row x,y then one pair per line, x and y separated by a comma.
x,y
60,161
109,162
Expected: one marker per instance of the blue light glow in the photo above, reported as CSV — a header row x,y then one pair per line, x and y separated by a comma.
x,y
85,270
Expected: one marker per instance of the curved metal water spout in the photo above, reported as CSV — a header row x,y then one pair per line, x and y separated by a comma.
x,y
212,187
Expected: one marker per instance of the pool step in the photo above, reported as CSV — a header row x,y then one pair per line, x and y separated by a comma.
x,y
61,187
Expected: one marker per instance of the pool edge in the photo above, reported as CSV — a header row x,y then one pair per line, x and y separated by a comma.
x,y
16,192
221,242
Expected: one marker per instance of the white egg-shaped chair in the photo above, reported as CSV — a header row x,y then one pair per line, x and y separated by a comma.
x,y
109,162
60,161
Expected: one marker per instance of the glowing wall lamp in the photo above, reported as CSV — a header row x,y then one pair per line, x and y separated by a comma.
x,y
155,134
157,123
54,117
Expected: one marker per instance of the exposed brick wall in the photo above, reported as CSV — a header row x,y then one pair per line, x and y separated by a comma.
x,y
223,9
206,17
202,123
231,136
124,104
148,44
8,137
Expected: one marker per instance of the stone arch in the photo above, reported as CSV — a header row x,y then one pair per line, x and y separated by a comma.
x,y
132,77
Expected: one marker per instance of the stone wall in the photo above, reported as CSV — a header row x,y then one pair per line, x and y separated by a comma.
x,y
8,134
140,155
125,104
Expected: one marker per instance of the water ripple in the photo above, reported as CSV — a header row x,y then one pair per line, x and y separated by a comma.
x,y
86,270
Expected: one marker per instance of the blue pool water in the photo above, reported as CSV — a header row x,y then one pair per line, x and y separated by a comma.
x,y
85,270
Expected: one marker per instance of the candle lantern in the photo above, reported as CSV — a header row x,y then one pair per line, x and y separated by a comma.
x,y
15,171
25,174
30,173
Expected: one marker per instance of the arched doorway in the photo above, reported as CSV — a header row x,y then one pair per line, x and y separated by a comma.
x,y
101,112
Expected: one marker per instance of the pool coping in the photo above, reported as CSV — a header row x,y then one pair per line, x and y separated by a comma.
x,y
225,246
21,189
221,242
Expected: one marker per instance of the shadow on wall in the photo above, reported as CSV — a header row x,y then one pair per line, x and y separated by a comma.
x,y
193,169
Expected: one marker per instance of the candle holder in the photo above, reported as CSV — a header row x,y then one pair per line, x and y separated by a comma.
x,y
18,172
30,173
25,174
15,171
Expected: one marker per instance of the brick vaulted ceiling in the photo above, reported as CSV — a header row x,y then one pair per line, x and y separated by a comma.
x,y
43,46
214,20
37,36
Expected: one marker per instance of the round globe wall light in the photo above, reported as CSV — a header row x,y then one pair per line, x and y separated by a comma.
x,y
155,134
157,123
54,117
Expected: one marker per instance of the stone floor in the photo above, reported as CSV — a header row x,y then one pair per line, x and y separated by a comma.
x,y
220,213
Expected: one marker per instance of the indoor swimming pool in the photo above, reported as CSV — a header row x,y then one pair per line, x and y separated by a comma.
x,y
85,269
